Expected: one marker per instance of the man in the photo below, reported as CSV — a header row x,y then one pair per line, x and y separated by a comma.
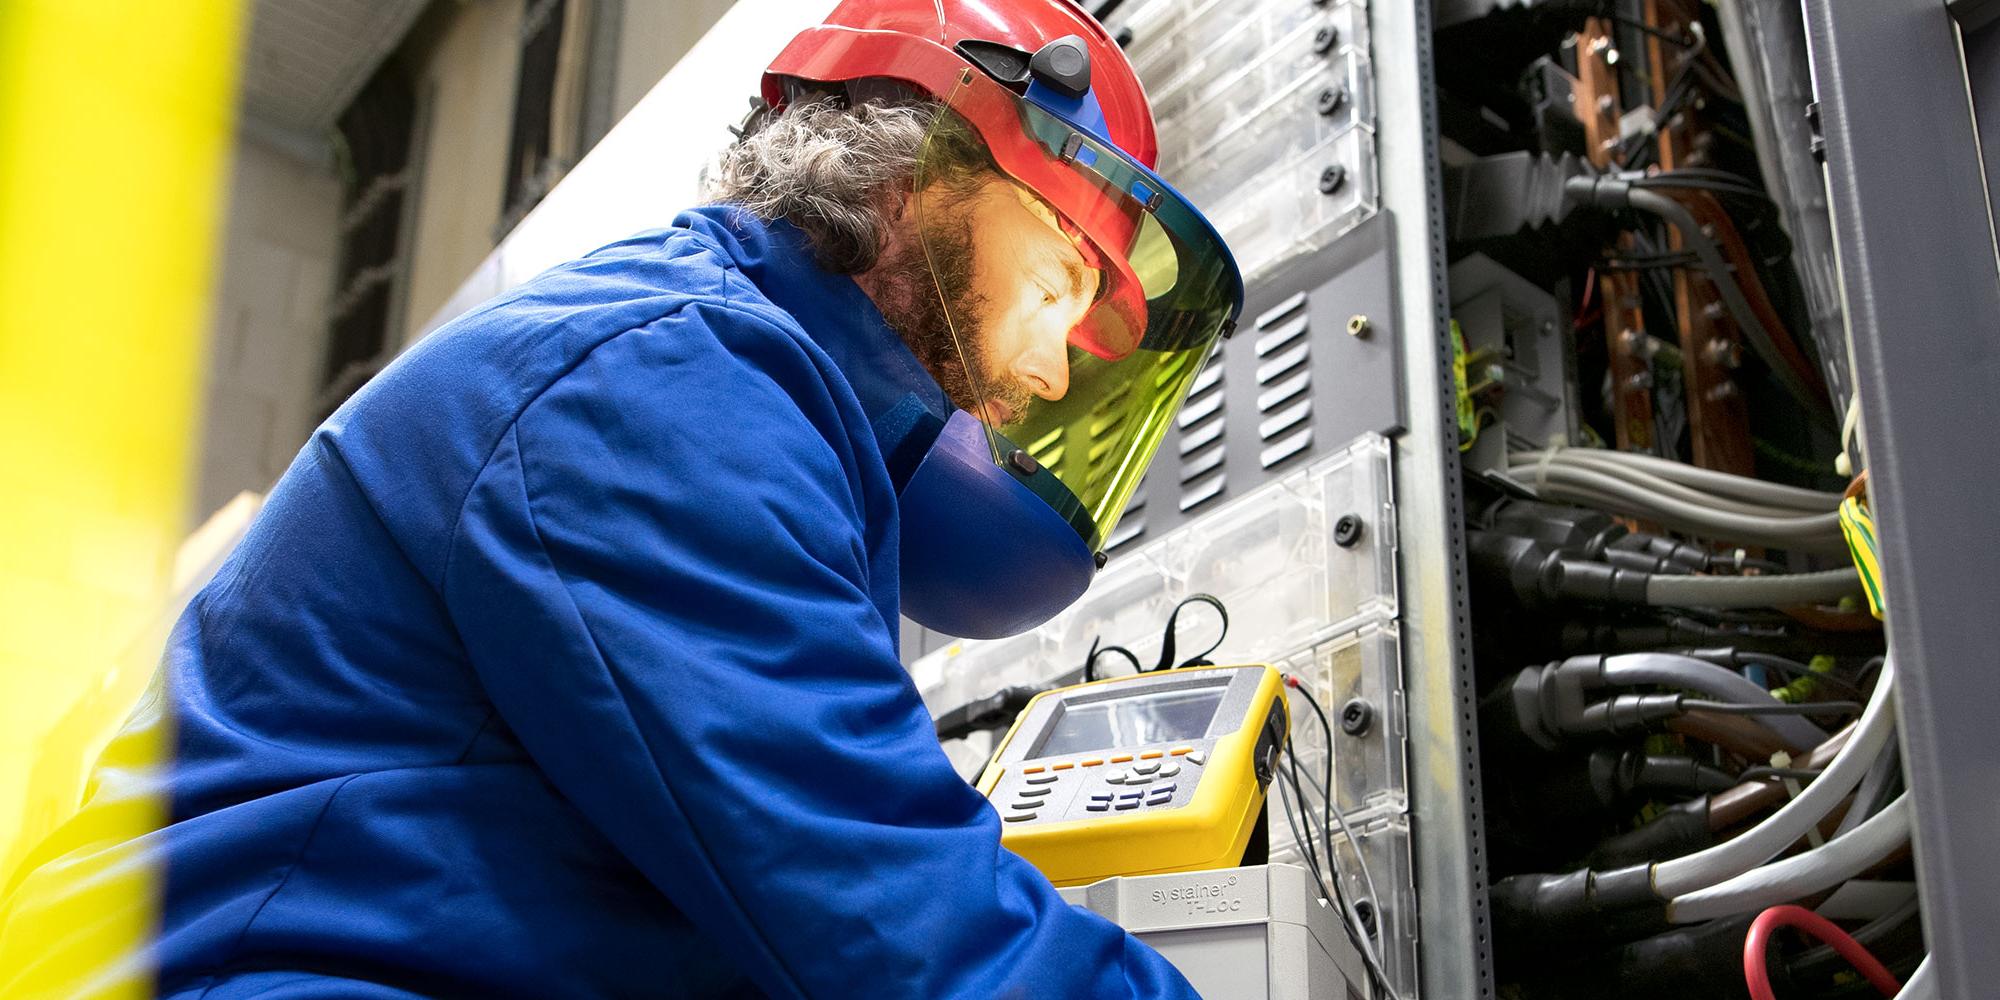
x,y
562,662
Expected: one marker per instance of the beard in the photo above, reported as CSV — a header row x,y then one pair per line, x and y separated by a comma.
x,y
928,296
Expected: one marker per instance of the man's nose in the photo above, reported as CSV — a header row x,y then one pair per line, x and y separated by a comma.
x,y
1044,368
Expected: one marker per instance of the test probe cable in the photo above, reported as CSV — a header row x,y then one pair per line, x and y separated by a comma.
x,y
1331,815
1350,918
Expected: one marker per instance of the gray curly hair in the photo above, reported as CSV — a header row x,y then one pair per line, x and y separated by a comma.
x,y
838,171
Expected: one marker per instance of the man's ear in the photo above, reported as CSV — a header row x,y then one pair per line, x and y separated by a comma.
x,y
898,199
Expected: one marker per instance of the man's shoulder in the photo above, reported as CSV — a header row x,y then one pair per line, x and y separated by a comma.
x,y
515,345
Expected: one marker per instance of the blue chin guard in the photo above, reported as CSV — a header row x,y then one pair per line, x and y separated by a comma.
x,y
983,556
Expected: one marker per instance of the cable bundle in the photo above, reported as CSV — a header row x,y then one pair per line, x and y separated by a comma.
x,y
1685,497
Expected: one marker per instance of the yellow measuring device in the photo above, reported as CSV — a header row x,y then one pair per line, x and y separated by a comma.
x,y
1136,775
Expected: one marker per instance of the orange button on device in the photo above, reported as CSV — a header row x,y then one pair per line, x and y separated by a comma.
x,y
1061,767
1032,770
1121,758
1151,754
1177,751
1089,763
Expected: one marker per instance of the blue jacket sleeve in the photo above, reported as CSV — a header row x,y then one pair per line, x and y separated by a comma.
x,y
662,578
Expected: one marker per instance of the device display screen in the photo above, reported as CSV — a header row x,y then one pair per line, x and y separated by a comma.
x,y
1152,718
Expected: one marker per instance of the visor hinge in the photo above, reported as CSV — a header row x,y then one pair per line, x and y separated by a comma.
x,y
1071,146
760,109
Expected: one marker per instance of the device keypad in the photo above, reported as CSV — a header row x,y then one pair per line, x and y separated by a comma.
x,y
1152,769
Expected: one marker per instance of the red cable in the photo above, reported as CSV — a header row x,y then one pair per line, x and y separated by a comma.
x,y
1757,943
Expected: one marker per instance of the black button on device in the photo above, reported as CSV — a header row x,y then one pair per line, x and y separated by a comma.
x,y
1042,779
1134,804
1098,807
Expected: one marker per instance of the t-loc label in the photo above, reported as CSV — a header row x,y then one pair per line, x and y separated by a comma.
x,y
1201,898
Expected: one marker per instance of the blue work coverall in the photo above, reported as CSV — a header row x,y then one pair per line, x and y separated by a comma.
x,y
562,663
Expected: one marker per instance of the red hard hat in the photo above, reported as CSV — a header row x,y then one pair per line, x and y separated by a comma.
x,y
961,27
984,58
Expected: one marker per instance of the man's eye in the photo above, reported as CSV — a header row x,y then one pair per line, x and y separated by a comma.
x,y
1048,297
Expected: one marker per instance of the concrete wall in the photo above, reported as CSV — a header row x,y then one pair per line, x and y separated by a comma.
x,y
463,57
654,34
267,336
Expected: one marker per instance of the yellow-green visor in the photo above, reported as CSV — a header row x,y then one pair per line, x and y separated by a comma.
x,y
1082,292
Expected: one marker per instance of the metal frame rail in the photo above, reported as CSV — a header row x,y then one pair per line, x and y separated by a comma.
x,y
1907,90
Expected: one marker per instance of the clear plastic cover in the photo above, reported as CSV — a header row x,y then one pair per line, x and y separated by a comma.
x,y
1273,556
1255,103
1127,605
1387,885
1271,219
1363,673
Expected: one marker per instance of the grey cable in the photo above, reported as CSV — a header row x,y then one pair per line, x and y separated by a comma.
x,y
1887,768
1781,532
1743,487
1752,591
1683,875
1710,481
1643,479
1823,867
1730,288
1670,670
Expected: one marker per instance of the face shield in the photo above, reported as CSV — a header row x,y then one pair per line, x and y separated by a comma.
x,y
1081,292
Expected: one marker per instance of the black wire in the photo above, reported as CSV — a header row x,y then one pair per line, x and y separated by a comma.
x,y
1668,180
1795,773
1326,832
1677,90
1711,173
1793,668
1662,34
1774,708
1670,263
1326,825
1167,640
1326,729
1338,901
1306,845
1669,257
1090,659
